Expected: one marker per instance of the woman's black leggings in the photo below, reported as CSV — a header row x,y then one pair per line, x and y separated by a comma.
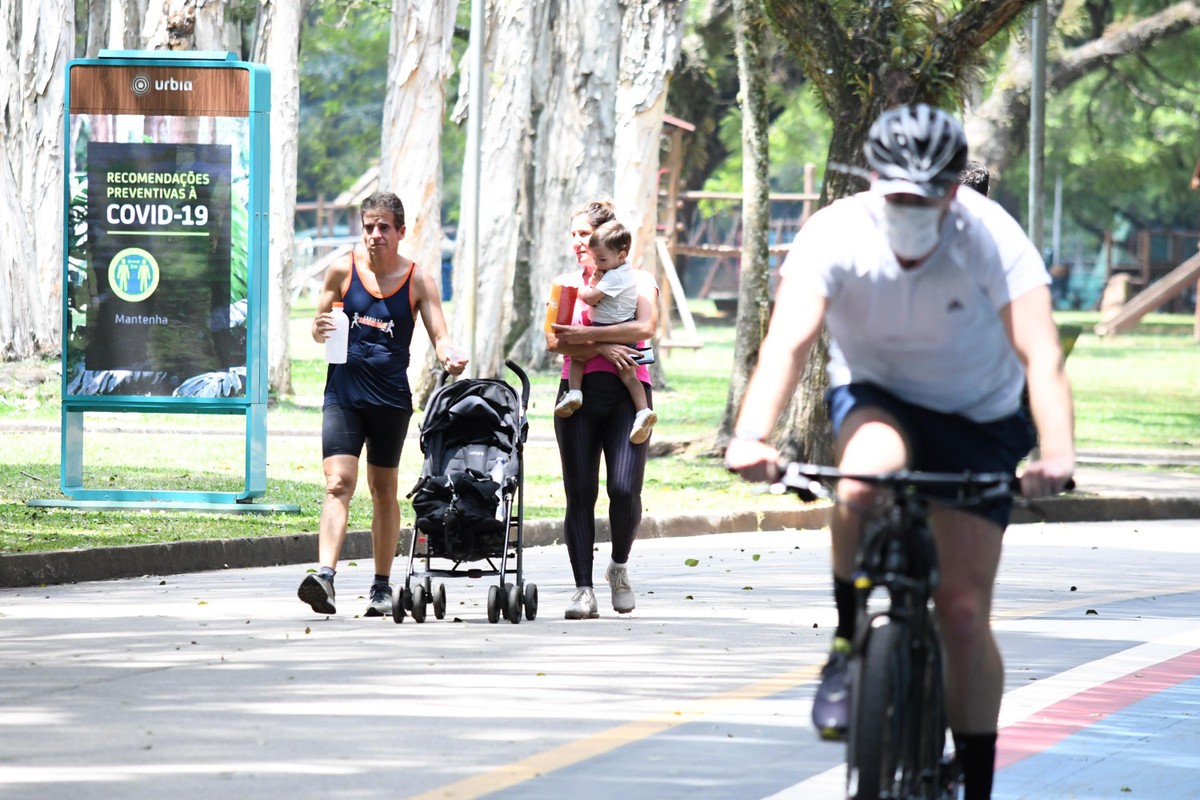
x,y
602,425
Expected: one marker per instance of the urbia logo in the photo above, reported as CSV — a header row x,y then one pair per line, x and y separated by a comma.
x,y
140,84
172,85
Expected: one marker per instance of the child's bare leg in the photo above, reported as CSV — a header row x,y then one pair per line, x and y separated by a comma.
x,y
572,399
628,376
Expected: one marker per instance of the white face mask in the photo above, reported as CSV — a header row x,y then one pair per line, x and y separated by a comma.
x,y
912,231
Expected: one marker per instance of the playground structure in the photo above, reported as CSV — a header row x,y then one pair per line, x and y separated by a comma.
x,y
1156,277
713,241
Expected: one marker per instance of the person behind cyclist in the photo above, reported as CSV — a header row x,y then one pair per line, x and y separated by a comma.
x,y
938,310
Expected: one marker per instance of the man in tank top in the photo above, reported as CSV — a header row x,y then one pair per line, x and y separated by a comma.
x,y
367,399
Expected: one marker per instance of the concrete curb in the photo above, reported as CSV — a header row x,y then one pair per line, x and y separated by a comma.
x,y
108,563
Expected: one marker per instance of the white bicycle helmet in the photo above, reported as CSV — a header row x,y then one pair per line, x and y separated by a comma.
x,y
916,149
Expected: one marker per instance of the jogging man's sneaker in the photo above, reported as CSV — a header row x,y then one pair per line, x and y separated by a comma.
x,y
831,706
583,604
318,593
380,604
570,403
643,423
622,593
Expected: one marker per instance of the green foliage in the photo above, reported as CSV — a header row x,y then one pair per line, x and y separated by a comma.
x,y
343,81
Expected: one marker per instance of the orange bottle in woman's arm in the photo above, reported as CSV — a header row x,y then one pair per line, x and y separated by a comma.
x,y
561,308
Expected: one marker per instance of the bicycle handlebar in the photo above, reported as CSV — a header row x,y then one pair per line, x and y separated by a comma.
x,y
812,481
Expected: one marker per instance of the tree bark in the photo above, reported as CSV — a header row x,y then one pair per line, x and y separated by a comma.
x,y
37,37
651,37
571,162
516,33
124,23
753,308
190,25
277,44
414,110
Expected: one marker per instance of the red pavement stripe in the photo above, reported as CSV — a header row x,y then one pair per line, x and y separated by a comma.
x,y
1054,723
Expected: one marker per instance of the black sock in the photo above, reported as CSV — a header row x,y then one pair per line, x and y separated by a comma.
x,y
976,754
383,579
843,597
327,573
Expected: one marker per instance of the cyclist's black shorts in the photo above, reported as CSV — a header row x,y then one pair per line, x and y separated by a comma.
x,y
381,428
945,442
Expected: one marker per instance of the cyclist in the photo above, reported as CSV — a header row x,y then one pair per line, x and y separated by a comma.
x,y
938,310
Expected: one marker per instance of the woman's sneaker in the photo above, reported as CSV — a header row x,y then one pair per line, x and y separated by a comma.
x,y
570,403
380,604
318,593
623,600
643,423
583,604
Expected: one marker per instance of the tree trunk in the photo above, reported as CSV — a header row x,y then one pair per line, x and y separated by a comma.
x,y
124,22
191,25
574,113
277,44
753,277
38,40
651,36
516,33
414,110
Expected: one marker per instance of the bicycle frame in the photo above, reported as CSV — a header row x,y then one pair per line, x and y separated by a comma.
x,y
896,742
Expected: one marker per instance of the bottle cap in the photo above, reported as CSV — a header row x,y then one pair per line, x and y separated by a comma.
x,y
338,305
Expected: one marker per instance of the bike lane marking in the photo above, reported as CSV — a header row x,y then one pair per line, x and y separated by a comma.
x,y
574,752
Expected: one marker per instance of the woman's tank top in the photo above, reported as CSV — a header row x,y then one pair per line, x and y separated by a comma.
x,y
381,329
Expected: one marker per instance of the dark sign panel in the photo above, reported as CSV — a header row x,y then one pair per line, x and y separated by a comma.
x,y
159,228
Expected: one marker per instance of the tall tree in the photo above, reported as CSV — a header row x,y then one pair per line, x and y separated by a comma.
x,y
651,37
863,58
753,284
191,25
414,112
37,37
277,44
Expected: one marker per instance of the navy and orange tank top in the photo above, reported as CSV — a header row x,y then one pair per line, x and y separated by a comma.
x,y
381,329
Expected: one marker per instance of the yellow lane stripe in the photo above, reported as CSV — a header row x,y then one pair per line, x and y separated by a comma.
x,y
599,743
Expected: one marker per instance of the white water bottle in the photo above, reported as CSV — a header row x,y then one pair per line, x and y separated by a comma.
x,y
335,345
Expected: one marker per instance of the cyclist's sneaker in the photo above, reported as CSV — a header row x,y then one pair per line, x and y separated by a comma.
x,y
380,604
571,401
583,604
831,706
623,600
643,424
318,593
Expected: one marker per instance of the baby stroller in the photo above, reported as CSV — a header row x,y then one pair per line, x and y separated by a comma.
x,y
468,501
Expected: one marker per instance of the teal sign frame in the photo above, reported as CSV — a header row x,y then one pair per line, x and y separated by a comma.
x,y
165,268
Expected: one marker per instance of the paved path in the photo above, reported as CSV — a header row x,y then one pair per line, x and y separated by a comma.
x,y
186,686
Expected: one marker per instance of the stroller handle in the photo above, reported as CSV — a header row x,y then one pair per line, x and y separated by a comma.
x,y
524,381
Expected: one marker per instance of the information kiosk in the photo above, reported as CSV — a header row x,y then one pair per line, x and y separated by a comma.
x,y
166,263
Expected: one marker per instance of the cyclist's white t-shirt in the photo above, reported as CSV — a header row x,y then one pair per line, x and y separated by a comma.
x,y
930,335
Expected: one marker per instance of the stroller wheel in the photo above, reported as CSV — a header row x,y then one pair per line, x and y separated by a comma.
x,y
398,605
418,603
514,604
531,601
493,607
439,601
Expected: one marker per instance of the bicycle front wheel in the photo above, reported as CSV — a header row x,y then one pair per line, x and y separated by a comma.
x,y
878,706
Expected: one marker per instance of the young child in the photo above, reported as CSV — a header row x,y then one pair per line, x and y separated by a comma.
x,y
612,295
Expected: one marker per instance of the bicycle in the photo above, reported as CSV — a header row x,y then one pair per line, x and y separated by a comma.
x,y
896,741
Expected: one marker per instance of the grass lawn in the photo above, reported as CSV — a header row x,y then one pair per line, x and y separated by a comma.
x,y
1136,390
